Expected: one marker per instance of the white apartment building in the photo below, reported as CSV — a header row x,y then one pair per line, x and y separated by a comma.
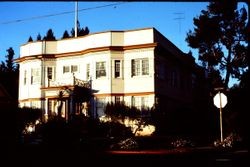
x,y
140,67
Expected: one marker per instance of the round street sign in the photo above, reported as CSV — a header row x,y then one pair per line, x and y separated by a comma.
x,y
220,98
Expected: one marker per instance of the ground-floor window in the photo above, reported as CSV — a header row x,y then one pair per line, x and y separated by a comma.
x,y
100,106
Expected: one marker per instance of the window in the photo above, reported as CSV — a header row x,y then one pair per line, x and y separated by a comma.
x,y
35,76
65,69
74,68
135,102
145,67
160,70
143,102
49,72
135,67
117,68
117,99
100,106
88,71
25,77
140,67
174,79
193,81
100,69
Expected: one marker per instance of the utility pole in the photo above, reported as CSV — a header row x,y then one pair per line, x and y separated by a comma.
x,y
76,17
179,18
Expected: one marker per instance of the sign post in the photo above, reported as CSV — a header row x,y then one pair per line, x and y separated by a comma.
x,y
220,100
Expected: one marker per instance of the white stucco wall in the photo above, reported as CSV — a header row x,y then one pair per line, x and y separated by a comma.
x,y
139,86
29,90
138,83
96,40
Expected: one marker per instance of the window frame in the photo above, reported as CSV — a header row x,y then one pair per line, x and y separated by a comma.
x,y
101,69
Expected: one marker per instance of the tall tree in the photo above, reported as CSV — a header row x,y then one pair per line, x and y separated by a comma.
x,y
65,34
80,31
220,36
39,38
9,62
30,39
9,74
50,35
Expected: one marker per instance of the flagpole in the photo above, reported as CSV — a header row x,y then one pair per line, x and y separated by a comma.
x,y
76,17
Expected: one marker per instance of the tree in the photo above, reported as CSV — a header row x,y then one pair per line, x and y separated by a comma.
x,y
38,38
65,34
9,74
49,36
30,39
80,31
220,36
119,112
83,31
8,65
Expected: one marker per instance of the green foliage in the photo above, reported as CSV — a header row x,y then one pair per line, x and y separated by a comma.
x,y
120,111
81,94
125,144
39,38
9,73
80,131
225,47
65,35
30,39
236,117
9,65
80,31
25,116
49,36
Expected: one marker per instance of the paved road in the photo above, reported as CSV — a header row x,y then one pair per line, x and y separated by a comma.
x,y
198,157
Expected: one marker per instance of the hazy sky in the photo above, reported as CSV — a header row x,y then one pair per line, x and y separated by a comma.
x,y
19,20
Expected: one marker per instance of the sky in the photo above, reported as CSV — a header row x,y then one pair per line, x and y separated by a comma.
x,y
20,20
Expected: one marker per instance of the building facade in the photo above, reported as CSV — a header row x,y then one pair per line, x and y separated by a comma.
x,y
139,67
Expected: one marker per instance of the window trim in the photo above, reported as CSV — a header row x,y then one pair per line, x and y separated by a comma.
x,y
101,71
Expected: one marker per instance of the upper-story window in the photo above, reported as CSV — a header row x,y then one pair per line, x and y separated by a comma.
x,y
66,69
72,69
117,68
145,66
87,71
100,69
50,73
25,77
174,79
35,76
135,67
140,67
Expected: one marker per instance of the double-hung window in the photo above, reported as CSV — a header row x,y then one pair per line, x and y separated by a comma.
x,y
140,67
145,66
117,68
66,69
100,69
35,76
87,71
50,73
25,77
74,68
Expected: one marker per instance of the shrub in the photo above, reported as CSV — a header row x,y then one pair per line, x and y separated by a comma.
x,y
232,140
127,144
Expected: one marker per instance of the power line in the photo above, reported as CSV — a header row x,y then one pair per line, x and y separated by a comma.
x,y
62,13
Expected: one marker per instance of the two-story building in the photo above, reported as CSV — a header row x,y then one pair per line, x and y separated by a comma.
x,y
140,67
